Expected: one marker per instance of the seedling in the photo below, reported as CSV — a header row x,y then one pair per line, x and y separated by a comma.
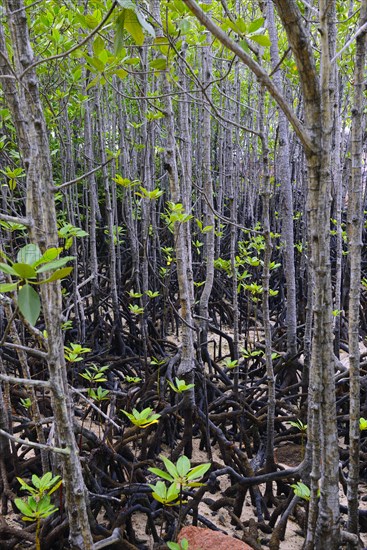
x,y
183,545
180,386
303,491
133,294
74,352
303,429
248,354
38,506
68,232
152,294
230,364
95,374
133,379
27,403
135,309
167,496
142,419
98,395
181,473
180,476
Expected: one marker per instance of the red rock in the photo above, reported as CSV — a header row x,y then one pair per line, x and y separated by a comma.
x,y
206,539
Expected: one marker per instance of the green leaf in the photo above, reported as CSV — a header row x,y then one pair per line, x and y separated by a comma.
x,y
170,467
25,271
96,63
126,4
301,490
29,254
144,23
173,492
5,268
183,466
184,25
8,287
198,471
121,73
98,46
161,473
29,304
58,274
48,256
36,480
94,82
159,64
25,486
118,44
133,27
56,264
23,507
261,39
91,21
255,25
159,488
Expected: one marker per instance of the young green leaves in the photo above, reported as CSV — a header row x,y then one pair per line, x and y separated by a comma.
x,y
38,505
180,476
142,419
181,473
29,265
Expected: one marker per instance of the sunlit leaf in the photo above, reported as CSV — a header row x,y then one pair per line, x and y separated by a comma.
x,y
29,304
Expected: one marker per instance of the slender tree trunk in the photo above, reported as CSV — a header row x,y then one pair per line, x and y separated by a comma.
x,y
354,228
187,365
284,177
28,118
207,203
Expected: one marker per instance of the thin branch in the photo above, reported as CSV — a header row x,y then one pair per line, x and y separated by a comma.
x,y
349,43
80,178
284,56
24,8
12,219
24,381
34,444
35,352
90,402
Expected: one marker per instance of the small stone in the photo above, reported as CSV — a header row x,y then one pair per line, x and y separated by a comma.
x,y
206,539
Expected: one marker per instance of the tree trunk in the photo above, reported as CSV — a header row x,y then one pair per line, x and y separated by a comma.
x,y
24,102
354,228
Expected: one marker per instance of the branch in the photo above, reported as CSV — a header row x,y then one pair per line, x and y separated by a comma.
x,y
24,381
90,402
80,178
261,75
13,219
35,352
35,445
357,33
115,537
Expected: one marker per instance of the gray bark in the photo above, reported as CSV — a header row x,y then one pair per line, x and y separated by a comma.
x,y
354,229
284,177
24,102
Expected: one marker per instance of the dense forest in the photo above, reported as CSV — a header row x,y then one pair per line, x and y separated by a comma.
x,y
183,276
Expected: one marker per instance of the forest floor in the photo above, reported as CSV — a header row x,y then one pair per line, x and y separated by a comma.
x,y
293,539
288,454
